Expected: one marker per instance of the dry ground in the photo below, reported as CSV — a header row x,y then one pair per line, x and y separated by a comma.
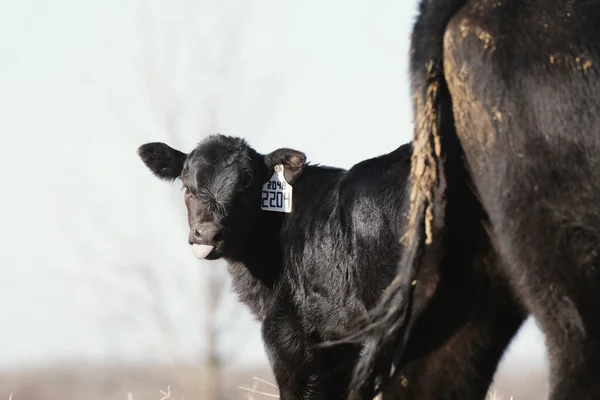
x,y
62,382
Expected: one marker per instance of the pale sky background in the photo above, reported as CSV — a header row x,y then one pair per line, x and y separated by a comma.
x,y
80,213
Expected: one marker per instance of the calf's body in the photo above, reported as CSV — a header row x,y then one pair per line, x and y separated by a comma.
x,y
339,249
308,275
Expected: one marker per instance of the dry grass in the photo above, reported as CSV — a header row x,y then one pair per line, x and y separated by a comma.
x,y
256,391
132,382
493,395
186,383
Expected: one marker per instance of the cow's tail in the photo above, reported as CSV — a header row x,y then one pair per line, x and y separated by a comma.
x,y
387,328
389,323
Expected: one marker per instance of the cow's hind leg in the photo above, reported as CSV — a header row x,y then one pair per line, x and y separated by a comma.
x,y
463,365
526,100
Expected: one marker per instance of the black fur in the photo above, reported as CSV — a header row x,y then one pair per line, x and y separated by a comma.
x,y
310,275
164,161
513,89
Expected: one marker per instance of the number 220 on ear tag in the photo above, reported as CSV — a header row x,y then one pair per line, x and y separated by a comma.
x,y
277,193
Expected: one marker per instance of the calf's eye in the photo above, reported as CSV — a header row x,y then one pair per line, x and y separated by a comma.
x,y
188,191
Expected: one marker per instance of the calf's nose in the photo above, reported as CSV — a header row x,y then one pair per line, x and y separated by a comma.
x,y
205,233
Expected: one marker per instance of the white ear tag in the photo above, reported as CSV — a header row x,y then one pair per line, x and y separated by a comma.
x,y
277,193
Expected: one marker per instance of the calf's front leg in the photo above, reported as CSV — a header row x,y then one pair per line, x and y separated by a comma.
x,y
302,369
285,345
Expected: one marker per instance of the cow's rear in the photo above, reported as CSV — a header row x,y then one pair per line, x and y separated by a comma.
x,y
507,99
526,99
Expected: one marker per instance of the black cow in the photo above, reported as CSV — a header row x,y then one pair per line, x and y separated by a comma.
x,y
310,274
506,157
307,275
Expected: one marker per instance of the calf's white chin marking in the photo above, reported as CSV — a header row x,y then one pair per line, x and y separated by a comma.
x,y
201,251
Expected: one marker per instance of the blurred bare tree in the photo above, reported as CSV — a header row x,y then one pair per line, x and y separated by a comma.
x,y
183,60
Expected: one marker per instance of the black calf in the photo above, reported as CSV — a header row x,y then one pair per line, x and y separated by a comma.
x,y
308,275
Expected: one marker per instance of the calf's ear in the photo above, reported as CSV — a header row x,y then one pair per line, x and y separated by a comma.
x,y
293,162
165,162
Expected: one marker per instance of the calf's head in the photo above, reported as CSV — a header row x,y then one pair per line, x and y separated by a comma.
x,y
222,179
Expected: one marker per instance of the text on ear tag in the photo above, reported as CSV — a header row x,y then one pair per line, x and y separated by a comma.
x,y
277,193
